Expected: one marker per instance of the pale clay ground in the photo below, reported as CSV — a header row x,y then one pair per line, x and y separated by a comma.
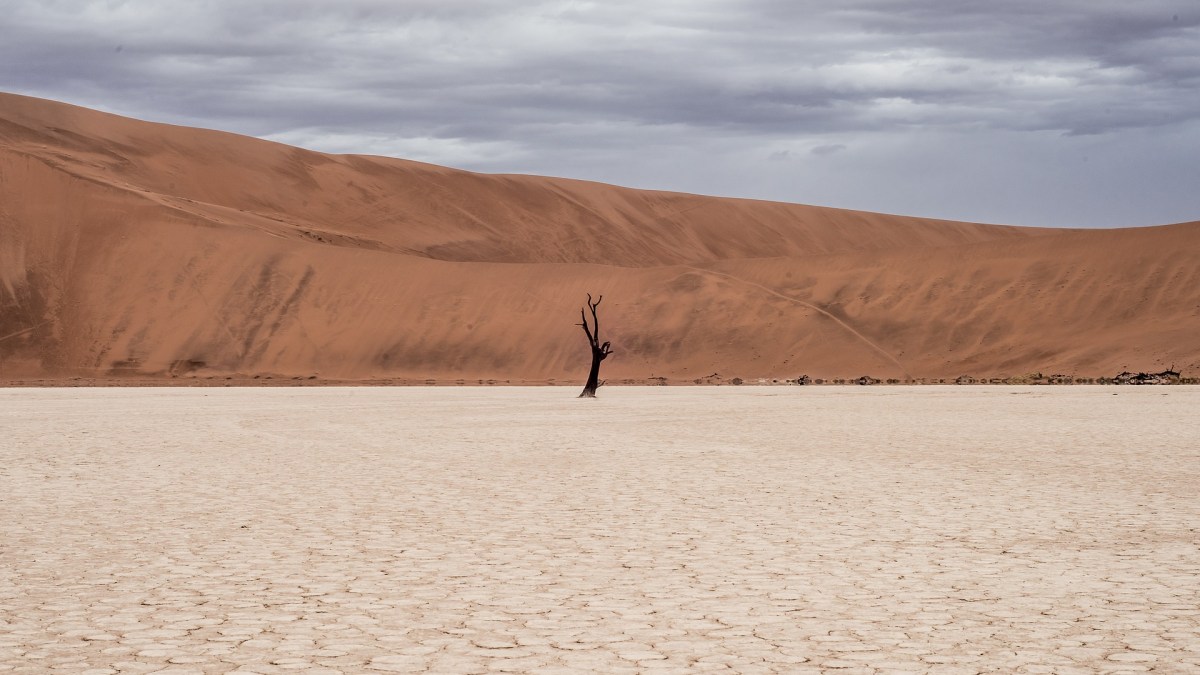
x,y
886,529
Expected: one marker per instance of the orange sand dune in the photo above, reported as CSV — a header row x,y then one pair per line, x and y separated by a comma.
x,y
138,250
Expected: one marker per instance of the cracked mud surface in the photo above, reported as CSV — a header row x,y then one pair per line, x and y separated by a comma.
x,y
957,530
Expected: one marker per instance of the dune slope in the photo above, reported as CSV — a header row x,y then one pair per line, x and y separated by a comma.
x,y
137,250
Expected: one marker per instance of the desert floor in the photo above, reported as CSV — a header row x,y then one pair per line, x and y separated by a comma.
x,y
742,529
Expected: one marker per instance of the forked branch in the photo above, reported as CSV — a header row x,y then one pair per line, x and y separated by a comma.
x,y
593,333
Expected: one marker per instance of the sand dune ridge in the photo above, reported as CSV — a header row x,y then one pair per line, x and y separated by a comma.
x,y
134,249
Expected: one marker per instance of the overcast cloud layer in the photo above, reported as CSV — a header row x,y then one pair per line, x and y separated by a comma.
x,y
1035,112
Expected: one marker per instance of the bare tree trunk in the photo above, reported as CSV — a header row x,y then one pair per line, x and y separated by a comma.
x,y
599,351
593,381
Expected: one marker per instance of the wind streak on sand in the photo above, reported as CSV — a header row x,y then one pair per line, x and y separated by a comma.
x,y
863,338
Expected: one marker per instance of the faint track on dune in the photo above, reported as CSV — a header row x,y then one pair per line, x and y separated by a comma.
x,y
851,329
25,330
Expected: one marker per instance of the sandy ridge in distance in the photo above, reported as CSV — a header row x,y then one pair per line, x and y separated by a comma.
x,y
132,251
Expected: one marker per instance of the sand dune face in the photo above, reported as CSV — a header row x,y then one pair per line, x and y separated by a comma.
x,y
131,249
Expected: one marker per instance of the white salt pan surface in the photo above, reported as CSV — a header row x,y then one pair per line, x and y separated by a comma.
x,y
955,529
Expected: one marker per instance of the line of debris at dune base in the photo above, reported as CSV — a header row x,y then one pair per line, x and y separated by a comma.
x,y
1166,377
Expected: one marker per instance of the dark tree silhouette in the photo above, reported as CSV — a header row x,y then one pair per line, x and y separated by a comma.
x,y
599,351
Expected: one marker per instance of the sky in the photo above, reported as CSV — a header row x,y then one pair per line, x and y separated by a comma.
x,y
1059,113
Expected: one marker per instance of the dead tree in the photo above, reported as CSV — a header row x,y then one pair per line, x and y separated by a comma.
x,y
599,351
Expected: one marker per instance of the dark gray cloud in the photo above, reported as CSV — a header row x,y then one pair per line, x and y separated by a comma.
x,y
1051,112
